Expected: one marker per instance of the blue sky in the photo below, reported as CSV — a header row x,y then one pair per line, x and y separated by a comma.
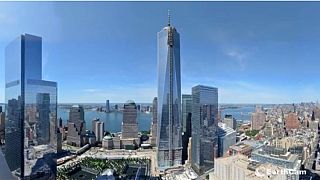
x,y
254,52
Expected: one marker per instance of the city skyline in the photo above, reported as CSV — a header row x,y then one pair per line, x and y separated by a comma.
x,y
223,46
191,130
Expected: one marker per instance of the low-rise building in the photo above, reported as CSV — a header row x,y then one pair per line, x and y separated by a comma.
x,y
230,121
226,138
314,125
292,121
239,167
268,129
244,147
90,138
116,142
277,156
107,142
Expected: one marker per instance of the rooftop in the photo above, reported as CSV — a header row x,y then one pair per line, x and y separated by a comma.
x,y
107,137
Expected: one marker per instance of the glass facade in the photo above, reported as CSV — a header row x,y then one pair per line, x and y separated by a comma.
x,y
226,138
169,99
154,122
186,110
186,124
204,122
76,126
31,111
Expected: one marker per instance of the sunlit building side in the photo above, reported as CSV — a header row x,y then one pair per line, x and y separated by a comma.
x,y
31,111
169,143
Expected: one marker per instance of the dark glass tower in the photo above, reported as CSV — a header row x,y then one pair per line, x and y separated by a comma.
x,y
76,126
186,113
43,110
204,124
186,123
129,122
169,143
31,111
154,122
107,106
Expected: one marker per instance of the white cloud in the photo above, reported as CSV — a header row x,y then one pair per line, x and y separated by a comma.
x,y
239,57
5,19
91,90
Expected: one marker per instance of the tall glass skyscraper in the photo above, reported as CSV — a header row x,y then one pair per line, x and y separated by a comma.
x,y
31,111
154,122
186,112
107,106
186,124
204,124
169,129
76,126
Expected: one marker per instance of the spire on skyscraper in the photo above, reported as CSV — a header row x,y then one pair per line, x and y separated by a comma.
x,y
169,135
168,17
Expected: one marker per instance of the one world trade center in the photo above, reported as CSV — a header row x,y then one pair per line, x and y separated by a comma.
x,y
169,139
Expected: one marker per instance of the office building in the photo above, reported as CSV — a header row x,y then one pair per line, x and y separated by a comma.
x,y
186,111
60,123
240,148
117,142
43,112
189,160
314,125
2,121
129,124
98,129
226,138
204,124
90,138
316,113
63,131
245,147
107,106
2,127
230,121
31,106
107,142
277,156
154,122
258,118
239,167
292,121
186,124
76,126
268,130
169,138
59,141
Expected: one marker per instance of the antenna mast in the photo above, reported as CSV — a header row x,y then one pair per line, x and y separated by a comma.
x,y
169,17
